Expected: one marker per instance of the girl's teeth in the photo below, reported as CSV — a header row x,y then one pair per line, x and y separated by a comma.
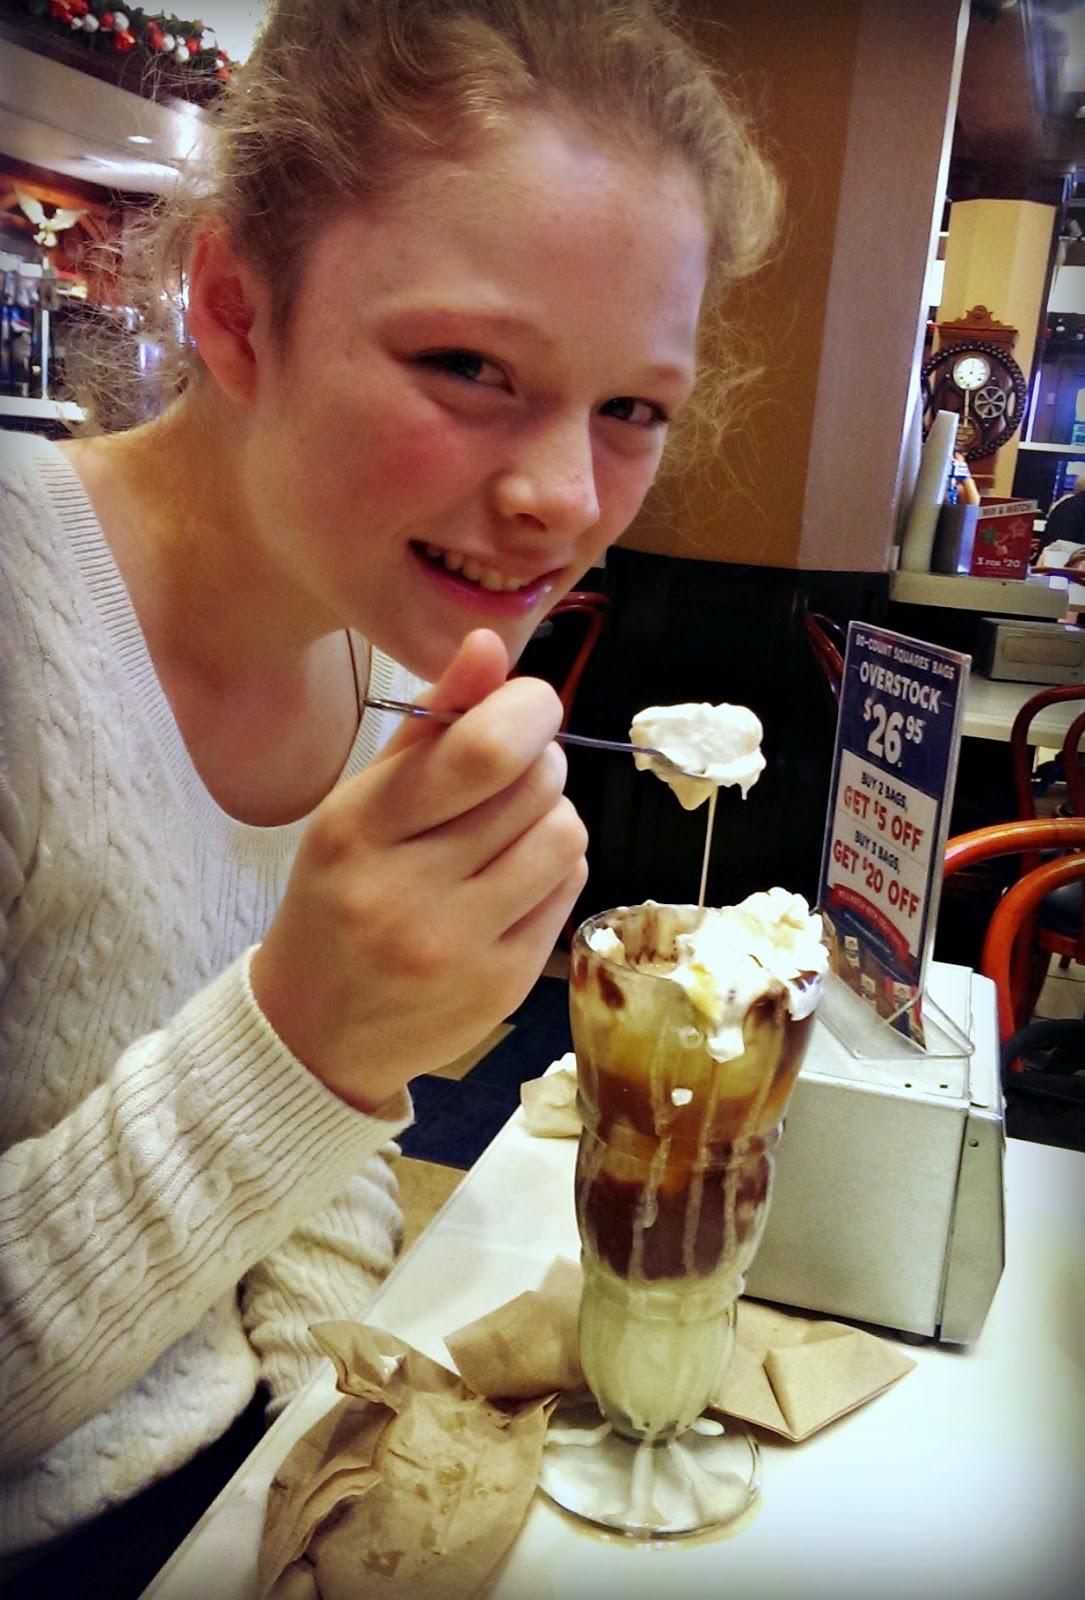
x,y
474,571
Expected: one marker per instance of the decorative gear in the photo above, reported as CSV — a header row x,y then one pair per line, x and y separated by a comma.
x,y
989,416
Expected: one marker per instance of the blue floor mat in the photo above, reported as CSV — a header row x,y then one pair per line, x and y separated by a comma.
x,y
455,1119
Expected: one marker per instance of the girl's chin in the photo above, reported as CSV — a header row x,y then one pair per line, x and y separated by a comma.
x,y
451,606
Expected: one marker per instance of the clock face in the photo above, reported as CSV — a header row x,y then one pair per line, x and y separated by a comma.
x,y
971,372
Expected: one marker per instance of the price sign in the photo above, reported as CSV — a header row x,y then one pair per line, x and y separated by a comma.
x,y
893,772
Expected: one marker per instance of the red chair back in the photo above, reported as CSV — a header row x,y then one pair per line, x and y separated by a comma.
x,y
1012,926
1073,765
1021,748
594,609
828,642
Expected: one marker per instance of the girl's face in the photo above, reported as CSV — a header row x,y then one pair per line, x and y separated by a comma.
x,y
474,392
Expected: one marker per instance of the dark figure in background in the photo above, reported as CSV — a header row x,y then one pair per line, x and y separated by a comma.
x,y
1066,519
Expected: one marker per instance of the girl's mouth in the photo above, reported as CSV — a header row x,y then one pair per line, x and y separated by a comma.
x,y
480,584
473,571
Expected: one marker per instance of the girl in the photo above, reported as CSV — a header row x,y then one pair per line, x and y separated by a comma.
x,y
444,294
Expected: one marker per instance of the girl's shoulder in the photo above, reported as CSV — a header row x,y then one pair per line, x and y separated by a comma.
x,y
22,456
39,492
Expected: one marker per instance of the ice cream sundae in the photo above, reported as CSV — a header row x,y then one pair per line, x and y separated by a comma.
x,y
689,1029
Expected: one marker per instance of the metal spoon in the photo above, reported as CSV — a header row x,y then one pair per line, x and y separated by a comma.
x,y
662,765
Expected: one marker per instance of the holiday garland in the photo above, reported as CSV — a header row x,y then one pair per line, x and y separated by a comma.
x,y
156,36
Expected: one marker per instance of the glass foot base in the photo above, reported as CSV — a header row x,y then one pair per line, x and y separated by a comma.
x,y
704,1479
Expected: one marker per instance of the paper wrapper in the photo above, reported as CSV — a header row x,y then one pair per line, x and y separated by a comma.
x,y
794,1375
411,1486
527,1348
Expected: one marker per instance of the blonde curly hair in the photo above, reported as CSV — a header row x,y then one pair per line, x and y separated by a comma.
x,y
341,99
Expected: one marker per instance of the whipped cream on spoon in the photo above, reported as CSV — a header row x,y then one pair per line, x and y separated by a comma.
x,y
711,746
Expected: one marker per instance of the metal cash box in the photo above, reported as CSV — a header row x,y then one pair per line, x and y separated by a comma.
x,y
887,1206
1030,652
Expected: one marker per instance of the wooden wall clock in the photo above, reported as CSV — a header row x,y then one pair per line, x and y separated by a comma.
x,y
983,384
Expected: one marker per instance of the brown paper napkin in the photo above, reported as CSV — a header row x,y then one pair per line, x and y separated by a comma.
x,y
794,1375
412,1486
789,1374
528,1347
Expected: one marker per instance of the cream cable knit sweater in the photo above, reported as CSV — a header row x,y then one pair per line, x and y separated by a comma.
x,y
179,1197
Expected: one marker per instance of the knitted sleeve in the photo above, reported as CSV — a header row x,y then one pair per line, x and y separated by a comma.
x,y
329,1267
122,1225
159,1139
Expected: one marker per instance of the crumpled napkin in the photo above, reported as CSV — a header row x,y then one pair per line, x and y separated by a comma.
x,y
789,1374
412,1486
528,1347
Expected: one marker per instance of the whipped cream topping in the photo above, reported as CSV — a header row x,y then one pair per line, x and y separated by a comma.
x,y
737,954
721,742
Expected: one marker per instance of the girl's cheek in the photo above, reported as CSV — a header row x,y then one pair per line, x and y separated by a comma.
x,y
428,454
622,486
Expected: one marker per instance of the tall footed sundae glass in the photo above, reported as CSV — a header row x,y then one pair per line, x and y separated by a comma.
x,y
689,1028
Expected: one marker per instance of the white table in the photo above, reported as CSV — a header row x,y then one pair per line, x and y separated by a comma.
x,y
965,1481
990,707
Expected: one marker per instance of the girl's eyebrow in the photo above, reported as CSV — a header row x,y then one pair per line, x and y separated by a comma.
x,y
455,317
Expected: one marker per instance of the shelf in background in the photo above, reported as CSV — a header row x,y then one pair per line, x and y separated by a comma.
x,y
1002,597
1072,452
39,410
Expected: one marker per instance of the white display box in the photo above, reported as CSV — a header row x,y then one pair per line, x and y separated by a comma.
x,y
887,1206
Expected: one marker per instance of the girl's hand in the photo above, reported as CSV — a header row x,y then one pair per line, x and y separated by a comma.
x,y
428,890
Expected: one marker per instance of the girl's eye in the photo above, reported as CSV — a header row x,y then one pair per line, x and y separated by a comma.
x,y
465,364
641,413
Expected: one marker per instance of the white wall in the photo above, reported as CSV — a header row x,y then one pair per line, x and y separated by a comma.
x,y
907,75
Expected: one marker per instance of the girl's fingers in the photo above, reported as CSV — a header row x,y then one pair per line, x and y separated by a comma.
x,y
468,843
531,939
446,773
516,883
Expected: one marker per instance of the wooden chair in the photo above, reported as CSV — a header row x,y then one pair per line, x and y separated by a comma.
x,y
1059,917
593,609
1013,928
1073,765
1022,742
828,642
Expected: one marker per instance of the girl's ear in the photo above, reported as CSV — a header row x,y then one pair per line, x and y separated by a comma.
x,y
222,306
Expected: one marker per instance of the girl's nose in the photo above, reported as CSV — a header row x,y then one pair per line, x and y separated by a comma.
x,y
551,480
